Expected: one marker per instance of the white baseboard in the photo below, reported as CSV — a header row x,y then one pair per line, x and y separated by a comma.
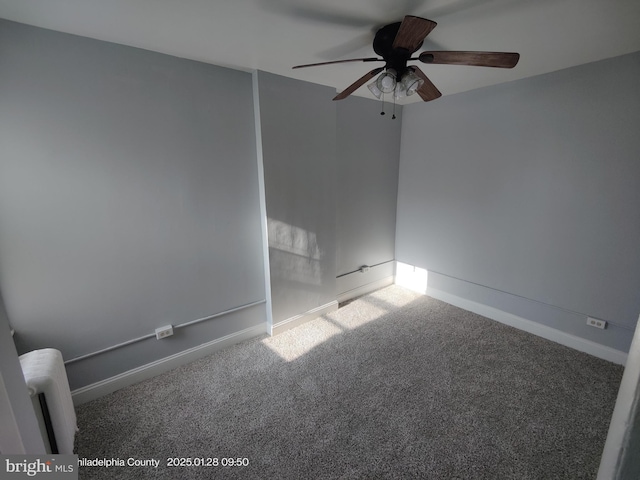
x,y
95,390
364,289
544,331
292,322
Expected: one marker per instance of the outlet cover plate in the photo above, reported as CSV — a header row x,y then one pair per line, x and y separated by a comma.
x,y
595,322
164,332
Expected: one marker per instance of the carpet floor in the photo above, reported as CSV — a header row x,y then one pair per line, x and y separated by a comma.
x,y
392,385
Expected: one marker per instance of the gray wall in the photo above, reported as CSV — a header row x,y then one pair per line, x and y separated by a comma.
x,y
299,156
367,183
620,460
630,463
525,195
128,197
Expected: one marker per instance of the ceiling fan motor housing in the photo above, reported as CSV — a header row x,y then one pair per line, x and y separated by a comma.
x,y
395,58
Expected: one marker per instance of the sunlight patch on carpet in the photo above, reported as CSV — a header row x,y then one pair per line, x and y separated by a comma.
x,y
397,297
357,316
298,341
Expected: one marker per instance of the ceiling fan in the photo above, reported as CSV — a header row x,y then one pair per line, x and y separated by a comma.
x,y
396,43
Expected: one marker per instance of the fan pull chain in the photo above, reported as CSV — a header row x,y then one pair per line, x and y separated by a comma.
x,y
393,117
382,100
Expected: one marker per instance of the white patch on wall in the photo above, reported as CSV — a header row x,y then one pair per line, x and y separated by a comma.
x,y
292,239
295,251
412,277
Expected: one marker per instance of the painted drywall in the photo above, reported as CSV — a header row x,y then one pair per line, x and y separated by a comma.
x,y
366,183
620,454
530,189
128,197
20,432
299,157
614,336
630,467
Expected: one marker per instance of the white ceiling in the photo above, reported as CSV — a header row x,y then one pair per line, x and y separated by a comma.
x,y
274,35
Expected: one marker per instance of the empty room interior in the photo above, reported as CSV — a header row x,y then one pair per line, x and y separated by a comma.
x,y
417,260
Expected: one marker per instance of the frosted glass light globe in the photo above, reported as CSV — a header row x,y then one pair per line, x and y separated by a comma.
x,y
387,81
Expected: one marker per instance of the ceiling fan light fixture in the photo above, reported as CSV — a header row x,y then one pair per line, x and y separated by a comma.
x,y
373,87
411,83
400,91
386,82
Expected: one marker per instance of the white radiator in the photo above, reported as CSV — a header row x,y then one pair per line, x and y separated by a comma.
x,y
48,385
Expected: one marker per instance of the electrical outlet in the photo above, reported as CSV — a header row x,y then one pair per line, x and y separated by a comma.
x,y
594,322
164,332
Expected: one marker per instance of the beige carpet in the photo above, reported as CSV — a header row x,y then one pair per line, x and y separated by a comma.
x,y
392,385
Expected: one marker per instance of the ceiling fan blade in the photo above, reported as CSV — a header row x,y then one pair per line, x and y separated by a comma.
x,y
478,59
428,90
370,59
358,83
412,32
